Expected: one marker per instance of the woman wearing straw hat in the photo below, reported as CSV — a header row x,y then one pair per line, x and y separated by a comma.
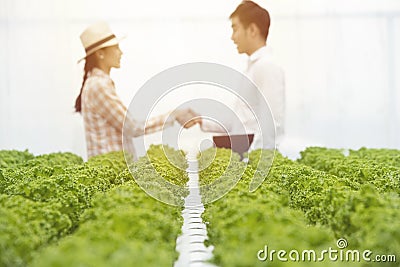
x,y
102,110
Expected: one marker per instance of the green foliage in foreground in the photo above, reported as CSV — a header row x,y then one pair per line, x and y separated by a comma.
x,y
380,155
56,204
162,174
12,158
125,227
298,207
362,166
56,210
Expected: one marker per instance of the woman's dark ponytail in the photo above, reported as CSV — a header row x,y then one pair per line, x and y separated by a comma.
x,y
90,63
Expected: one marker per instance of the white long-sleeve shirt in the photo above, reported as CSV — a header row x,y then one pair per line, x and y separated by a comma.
x,y
269,79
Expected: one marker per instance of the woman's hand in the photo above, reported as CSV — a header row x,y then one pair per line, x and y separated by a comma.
x,y
187,117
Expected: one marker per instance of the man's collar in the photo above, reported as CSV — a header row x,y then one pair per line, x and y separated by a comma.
x,y
257,54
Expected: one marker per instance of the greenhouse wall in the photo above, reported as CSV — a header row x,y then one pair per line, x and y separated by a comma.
x,y
341,64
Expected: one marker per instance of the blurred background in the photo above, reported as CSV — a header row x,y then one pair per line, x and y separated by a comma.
x,y
341,62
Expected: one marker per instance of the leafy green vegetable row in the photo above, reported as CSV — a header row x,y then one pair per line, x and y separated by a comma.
x,y
363,166
366,215
381,155
241,223
42,200
220,170
317,202
43,197
26,226
11,158
162,174
125,227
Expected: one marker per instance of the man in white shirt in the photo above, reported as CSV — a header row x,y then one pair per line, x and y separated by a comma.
x,y
250,25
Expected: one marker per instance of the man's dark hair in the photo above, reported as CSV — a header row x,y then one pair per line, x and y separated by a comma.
x,y
249,12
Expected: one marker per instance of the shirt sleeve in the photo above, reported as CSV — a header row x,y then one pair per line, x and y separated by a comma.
x,y
211,126
108,105
158,123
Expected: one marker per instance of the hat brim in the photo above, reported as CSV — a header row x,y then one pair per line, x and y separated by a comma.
x,y
111,42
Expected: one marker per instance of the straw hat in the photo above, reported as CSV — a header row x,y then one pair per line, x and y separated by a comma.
x,y
97,36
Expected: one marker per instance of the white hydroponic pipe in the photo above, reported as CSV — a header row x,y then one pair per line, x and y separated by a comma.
x,y
190,245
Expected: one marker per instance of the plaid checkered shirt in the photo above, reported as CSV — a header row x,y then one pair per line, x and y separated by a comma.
x,y
104,114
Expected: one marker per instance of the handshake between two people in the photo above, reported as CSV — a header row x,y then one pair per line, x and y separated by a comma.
x,y
187,117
